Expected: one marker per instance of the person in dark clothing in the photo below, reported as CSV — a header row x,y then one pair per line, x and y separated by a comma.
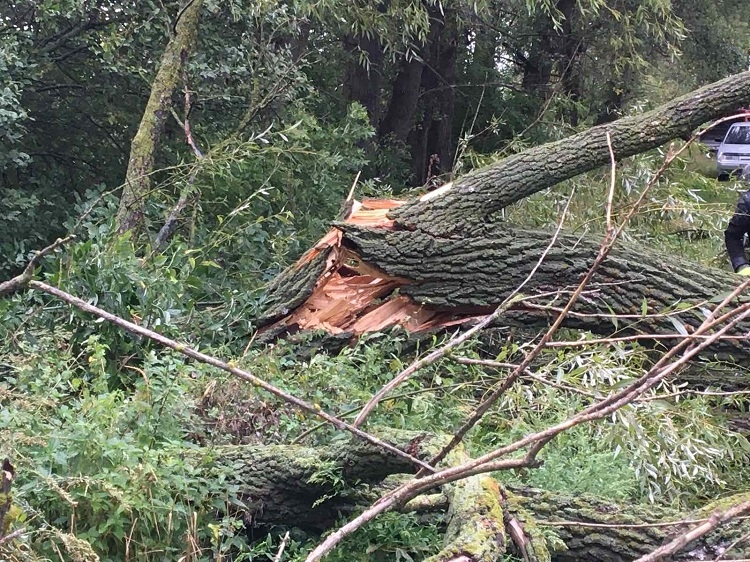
x,y
739,226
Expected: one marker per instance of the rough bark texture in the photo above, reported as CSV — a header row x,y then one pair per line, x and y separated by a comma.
x,y
476,522
450,258
146,141
622,540
399,118
281,484
475,196
482,268
432,147
362,83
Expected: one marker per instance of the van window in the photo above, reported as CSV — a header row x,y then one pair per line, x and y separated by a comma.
x,y
738,135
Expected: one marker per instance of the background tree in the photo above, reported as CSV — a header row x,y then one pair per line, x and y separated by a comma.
x,y
124,450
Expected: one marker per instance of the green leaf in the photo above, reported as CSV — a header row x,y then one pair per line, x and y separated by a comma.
x,y
678,325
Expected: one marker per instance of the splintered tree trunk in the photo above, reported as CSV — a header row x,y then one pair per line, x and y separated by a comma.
x,y
451,259
280,485
146,141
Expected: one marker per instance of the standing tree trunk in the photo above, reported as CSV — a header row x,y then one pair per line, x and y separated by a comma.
x,y
399,119
362,82
432,143
146,141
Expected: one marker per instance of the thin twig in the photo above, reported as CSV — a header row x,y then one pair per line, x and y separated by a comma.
x,y
527,373
637,337
613,177
282,546
742,539
620,525
716,519
187,193
10,536
219,364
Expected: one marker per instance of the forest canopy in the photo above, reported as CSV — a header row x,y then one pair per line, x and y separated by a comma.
x,y
395,280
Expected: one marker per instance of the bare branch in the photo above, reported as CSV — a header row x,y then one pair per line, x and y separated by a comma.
x,y
284,542
10,536
187,193
219,364
740,540
717,518
613,178
21,281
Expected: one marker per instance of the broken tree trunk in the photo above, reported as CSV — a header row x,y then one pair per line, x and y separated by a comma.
x,y
281,484
443,259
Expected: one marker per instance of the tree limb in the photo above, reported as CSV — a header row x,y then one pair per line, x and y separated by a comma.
x,y
21,281
475,196
219,364
717,518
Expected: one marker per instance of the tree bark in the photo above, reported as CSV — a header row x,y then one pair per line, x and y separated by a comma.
x,y
146,141
399,119
432,146
474,197
280,484
636,290
362,83
449,260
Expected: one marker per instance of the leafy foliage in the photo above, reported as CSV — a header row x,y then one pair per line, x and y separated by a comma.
x,y
111,435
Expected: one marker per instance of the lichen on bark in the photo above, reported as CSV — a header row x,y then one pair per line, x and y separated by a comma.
x,y
145,143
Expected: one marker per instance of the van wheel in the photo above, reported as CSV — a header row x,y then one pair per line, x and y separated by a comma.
x,y
723,176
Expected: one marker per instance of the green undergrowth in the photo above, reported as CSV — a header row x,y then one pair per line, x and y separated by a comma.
x,y
108,431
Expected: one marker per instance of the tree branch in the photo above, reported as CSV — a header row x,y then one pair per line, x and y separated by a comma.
x,y
219,364
472,198
717,518
21,281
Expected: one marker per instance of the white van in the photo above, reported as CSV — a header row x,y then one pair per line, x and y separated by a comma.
x,y
734,151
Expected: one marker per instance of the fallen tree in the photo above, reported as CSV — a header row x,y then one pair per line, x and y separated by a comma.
x,y
445,258
484,520
384,265
312,487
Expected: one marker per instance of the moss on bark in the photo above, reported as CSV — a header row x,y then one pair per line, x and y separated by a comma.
x,y
146,140
284,485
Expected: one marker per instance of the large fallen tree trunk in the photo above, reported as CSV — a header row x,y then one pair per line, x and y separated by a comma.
x,y
444,259
311,487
